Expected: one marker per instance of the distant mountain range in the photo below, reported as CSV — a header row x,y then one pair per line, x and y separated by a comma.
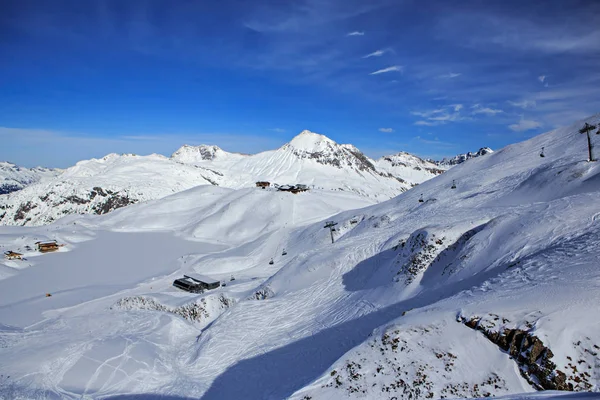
x,y
98,186
13,177
461,158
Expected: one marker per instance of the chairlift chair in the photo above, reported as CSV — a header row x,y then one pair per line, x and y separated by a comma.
x,y
283,253
453,185
421,199
271,262
542,153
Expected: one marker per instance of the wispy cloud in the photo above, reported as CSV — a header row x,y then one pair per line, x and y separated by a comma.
x,y
477,109
525,125
376,53
450,75
278,130
355,33
542,78
428,123
435,142
440,116
395,68
386,130
522,104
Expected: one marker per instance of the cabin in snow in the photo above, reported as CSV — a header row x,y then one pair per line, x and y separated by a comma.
x,y
195,283
45,247
293,188
11,255
263,184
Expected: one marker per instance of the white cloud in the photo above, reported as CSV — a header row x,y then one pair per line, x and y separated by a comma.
x,y
376,53
440,116
386,130
428,123
427,114
356,33
395,68
450,75
542,78
435,142
523,104
477,109
525,125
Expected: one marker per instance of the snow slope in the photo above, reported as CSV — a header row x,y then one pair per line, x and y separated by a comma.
x,y
13,177
99,186
490,288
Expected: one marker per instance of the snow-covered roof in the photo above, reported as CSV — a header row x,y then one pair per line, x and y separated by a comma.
x,y
201,278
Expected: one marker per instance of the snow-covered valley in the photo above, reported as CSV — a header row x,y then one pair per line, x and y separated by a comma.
x,y
490,288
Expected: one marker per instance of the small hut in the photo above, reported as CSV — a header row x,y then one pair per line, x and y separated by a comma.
x,y
11,255
263,184
45,247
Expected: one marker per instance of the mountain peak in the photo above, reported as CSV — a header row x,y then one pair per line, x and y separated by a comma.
x,y
203,152
311,142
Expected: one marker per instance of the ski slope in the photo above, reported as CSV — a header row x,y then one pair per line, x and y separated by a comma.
x,y
411,301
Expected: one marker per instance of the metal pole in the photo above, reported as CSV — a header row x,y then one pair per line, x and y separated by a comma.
x,y
589,145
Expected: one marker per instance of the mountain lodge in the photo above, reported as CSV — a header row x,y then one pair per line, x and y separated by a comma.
x,y
11,255
45,247
263,184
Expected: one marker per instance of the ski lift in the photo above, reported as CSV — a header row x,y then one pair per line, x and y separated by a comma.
x,y
453,184
421,198
271,262
542,153
283,253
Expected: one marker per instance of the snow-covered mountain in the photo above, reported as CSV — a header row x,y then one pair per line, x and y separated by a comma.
x,y
191,154
309,158
490,288
461,158
99,186
410,167
13,177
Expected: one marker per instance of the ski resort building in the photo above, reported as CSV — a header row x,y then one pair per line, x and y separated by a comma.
x,y
263,184
293,188
11,255
45,247
195,283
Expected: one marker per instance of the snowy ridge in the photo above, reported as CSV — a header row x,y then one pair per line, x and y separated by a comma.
x,y
461,158
410,167
191,154
98,186
13,177
486,289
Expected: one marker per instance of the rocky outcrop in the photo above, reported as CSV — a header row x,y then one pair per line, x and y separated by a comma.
x,y
529,352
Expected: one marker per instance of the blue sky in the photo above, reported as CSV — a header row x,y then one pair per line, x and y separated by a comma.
x,y
81,79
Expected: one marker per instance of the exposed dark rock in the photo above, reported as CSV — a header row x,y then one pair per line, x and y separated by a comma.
x,y
530,354
112,203
23,209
